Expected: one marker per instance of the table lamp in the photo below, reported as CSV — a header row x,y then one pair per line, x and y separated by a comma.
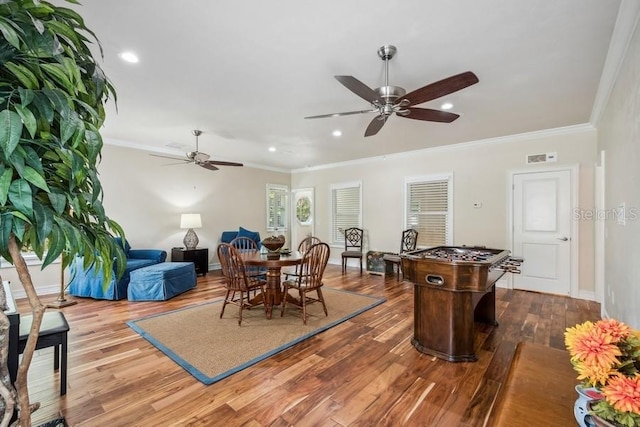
x,y
190,221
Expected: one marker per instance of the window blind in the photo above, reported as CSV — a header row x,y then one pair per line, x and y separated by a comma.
x,y
276,207
346,211
428,211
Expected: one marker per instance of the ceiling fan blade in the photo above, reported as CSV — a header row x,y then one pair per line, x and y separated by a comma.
x,y
360,89
348,113
375,125
440,88
428,115
172,158
207,165
221,163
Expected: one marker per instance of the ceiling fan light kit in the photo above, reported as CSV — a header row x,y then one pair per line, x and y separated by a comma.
x,y
199,158
387,100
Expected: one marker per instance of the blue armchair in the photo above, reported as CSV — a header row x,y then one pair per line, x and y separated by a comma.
x,y
89,283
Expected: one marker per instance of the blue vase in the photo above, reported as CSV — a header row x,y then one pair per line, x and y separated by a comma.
x,y
580,410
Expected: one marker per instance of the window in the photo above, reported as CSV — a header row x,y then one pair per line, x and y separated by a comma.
x,y
277,207
429,209
346,209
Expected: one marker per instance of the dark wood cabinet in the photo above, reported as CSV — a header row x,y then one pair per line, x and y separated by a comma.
x,y
199,257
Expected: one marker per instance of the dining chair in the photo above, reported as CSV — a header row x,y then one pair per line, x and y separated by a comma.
x,y
408,243
308,280
353,239
236,279
303,246
247,244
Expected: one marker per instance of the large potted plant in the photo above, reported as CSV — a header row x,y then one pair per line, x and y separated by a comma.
x,y
52,95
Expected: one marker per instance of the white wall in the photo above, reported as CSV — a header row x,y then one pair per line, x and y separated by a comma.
x,y
481,172
619,137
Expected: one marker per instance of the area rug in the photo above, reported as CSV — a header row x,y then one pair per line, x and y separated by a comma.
x,y
210,348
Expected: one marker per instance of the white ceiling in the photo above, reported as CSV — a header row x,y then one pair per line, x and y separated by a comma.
x,y
247,72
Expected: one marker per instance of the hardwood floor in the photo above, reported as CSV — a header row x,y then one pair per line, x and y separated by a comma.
x,y
360,373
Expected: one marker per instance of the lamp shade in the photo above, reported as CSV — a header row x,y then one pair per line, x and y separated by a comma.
x,y
190,221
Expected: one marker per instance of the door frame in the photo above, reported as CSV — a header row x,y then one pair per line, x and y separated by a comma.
x,y
574,171
295,239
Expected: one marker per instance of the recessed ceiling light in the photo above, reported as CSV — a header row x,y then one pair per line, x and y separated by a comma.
x,y
446,106
337,133
272,149
129,56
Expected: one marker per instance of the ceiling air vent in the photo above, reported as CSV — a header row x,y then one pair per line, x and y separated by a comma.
x,y
542,158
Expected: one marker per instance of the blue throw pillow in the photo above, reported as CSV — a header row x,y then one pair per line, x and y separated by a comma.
x,y
253,235
228,236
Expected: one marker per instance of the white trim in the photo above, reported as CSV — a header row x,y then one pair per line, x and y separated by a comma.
x,y
574,171
599,229
625,26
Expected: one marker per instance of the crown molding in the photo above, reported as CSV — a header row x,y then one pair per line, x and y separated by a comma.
x,y
173,152
626,24
585,127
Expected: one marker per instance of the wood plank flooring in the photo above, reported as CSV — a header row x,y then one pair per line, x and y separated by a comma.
x,y
363,372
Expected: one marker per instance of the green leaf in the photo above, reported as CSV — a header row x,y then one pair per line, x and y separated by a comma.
x,y
35,178
5,181
20,195
10,131
26,96
57,244
43,104
57,72
19,225
28,119
59,100
9,33
58,201
68,127
6,224
22,73
44,220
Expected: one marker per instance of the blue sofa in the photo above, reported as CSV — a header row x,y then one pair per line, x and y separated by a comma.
x,y
89,283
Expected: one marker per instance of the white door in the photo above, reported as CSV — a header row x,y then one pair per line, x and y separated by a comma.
x,y
302,215
542,231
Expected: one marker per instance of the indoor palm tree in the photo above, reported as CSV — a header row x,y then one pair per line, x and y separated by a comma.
x,y
52,95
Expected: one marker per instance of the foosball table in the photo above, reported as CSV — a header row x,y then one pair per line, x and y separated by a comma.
x,y
454,287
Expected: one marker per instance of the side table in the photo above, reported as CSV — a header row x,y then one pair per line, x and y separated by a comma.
x,y
199,257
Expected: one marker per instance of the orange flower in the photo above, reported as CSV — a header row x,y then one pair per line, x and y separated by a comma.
x,y
593,374
593,347
623,393
613,328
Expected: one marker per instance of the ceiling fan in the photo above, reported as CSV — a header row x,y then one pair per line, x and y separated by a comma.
x,y
387,100
199,158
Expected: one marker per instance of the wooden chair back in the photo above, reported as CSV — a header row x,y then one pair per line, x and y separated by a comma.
x,y
306,243
353,239
244,244
314,262
409,240
233,268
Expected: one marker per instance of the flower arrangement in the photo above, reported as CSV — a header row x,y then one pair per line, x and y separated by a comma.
x,y
606,355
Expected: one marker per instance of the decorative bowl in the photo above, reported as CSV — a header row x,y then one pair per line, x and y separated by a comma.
x,y
274,243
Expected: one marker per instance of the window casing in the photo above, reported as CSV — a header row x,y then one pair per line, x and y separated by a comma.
x,y
346,209
277,207
429,209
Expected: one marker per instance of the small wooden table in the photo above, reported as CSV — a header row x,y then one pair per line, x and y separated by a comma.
x,y
273,294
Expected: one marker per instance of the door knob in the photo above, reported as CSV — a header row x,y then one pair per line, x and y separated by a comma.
x,y
564,239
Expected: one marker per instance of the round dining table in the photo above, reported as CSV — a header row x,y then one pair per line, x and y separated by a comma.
x,y
273,294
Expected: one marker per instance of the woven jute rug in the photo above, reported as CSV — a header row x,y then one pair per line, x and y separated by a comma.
x,y
210,348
